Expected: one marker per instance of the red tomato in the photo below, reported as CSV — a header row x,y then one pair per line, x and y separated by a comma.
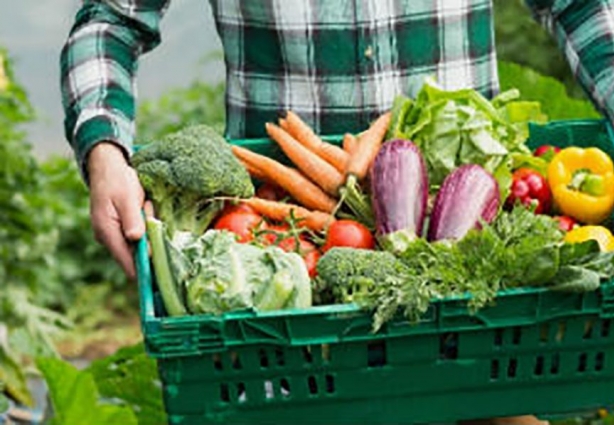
x,y
305,249
530,188
565,223
348,233
271,192
242,223
274,232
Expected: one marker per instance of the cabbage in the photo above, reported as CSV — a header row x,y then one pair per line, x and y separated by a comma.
x,y
219,274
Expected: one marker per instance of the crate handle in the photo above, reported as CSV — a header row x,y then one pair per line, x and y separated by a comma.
x,y
144,280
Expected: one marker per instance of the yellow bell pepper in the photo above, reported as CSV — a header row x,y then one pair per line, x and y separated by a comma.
x,y
599,233
582,183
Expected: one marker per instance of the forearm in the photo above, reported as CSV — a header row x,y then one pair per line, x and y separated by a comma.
x,y
98,68
585,32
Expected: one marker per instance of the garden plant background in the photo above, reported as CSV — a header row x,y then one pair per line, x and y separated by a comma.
x,y
66,309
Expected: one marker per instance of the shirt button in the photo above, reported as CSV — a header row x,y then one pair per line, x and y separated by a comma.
x,y
369,52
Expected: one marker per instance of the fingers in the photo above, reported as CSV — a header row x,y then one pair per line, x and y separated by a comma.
x,y
108,231
149,209
132,222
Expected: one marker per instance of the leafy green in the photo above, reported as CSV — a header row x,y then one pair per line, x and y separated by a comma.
x,y
583,267
131,376
75,398
455,127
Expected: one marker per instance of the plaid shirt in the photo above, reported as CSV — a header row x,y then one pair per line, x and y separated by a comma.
x,y
337,63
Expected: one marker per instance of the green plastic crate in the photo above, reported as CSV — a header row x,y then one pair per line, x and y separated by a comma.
x,y
535,351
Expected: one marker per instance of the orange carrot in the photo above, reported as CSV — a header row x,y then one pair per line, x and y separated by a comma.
x,y
280,211
349,143
291,180
332,154
283,123
253,171
368,147
315,168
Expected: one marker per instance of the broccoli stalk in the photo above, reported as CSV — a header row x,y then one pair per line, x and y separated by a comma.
x,y
181,210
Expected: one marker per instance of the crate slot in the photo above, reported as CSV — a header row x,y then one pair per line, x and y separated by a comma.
x,y
544,333
235,360
376,354
605,328
325,352
279,357
284,387
599,361
582,361
494,369
264,359
330,383
307,354
560,332
217,362
269,390
512,368
588,329
241,393
312,384
498,337
555,361
539,366
516,335
224,393
448,346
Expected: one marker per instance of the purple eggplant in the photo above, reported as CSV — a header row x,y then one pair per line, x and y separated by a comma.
x,y
399,191
467,196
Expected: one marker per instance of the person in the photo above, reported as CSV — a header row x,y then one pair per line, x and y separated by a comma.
x,y
337,63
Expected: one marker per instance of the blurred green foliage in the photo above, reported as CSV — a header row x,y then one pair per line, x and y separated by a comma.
x,y
522,40
47,249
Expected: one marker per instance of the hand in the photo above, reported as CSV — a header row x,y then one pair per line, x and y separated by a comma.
x,y
116,198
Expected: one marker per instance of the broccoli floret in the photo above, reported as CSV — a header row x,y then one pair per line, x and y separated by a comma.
x,y
184,170
347,273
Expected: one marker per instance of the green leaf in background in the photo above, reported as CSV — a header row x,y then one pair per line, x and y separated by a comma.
x,y
75,399
552,95
4,402
13,379
132,377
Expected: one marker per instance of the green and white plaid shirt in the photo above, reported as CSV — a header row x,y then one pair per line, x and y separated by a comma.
x,y
337,63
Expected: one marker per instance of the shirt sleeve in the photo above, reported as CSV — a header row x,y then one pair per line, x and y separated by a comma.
x,y
98,65
584,31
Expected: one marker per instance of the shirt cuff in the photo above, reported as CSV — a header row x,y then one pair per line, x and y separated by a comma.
x,y
102,128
